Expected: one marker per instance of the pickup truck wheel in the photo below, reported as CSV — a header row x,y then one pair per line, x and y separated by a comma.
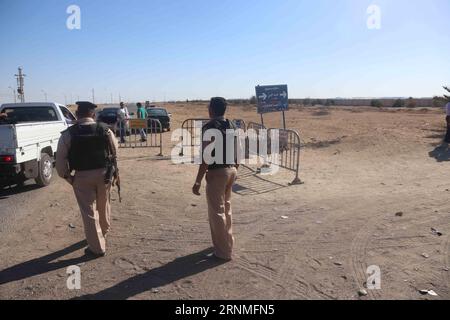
x,y
45,173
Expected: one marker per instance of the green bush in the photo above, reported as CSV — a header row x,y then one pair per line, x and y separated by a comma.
x,y
411,103
447,98
399,103
439,102
376,104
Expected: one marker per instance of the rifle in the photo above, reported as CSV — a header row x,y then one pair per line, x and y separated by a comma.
x,y
112,170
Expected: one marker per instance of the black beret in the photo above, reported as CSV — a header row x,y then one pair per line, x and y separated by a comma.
x,y
86,106
218,102
218,106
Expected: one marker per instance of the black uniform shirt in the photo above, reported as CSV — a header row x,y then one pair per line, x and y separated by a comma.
x,y
222,125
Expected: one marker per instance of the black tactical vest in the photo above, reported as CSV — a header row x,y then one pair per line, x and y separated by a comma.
x,y
222,126
89,147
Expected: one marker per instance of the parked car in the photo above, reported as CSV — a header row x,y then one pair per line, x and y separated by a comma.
x,y
110,116
160,114
29,138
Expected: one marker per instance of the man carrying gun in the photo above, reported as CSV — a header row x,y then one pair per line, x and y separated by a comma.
x,y
89,149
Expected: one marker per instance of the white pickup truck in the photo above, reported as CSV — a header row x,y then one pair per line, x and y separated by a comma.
x,y
29,136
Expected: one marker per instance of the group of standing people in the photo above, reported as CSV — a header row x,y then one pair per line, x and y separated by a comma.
x,y
124,119
86,149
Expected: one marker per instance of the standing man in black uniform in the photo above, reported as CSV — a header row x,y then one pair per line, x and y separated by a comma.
x,y
87,148
220,178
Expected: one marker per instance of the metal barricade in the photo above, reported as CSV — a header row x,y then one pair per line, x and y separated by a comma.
x,y
141,133
193,140
189,138
289,151
255,126
287,155
253,131
240,124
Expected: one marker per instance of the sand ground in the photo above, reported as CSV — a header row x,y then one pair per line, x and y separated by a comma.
x,y
376,183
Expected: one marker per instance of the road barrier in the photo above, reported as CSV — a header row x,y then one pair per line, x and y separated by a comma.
x,y
288,154
240,124
287,157
255,126
253,133
289,151
190,140
141,133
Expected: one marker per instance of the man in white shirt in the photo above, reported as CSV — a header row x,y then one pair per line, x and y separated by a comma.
x,y
447,111
123,117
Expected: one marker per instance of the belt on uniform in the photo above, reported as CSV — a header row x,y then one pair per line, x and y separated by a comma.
x,y
221,166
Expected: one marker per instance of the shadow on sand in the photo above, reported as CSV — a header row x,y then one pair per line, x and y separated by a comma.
x,y
43,265
8,191
441,153
251,183
178,269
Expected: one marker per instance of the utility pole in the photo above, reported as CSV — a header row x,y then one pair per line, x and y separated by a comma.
x,y
14,94
65,100
111,98
20,85
93,96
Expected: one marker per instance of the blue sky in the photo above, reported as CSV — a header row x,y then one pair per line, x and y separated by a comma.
x,y
176,49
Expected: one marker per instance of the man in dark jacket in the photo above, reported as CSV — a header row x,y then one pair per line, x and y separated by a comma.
x,y
220,177
85,148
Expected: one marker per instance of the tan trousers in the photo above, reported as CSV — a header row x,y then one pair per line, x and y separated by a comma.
x,y
218,193
94,200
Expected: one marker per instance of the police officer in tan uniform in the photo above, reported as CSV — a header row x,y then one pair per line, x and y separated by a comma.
x,y
220,178
85,149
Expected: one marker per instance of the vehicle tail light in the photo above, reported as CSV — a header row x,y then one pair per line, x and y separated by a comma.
x,y
7,159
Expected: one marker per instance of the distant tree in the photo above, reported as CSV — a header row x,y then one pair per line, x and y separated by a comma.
x,y
399,103
446,97
376,104
411,103
438,102
253,100
442,100
307,101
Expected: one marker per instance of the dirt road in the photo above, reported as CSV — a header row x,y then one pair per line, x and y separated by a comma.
x,y
376,183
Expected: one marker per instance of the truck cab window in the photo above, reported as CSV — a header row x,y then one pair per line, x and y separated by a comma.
x,y
31,114
67,114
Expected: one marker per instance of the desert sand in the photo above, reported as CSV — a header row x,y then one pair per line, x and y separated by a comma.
x,y
376,183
